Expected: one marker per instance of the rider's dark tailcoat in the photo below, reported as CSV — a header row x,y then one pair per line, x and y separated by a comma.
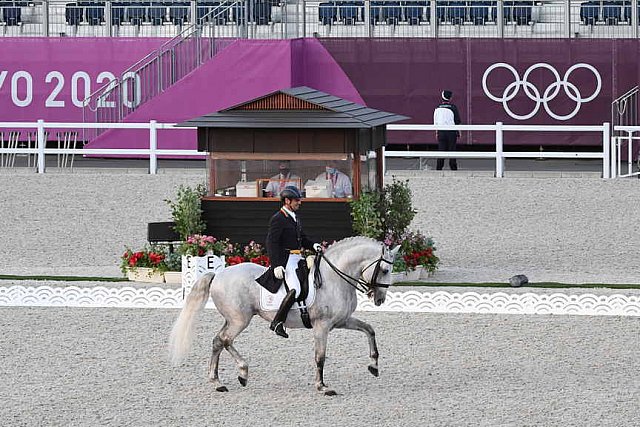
x,y
285,234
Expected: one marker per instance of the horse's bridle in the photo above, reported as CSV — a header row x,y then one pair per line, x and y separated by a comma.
x,y
358,282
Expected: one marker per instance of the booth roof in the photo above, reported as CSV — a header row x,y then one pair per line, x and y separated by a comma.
x,y
335,113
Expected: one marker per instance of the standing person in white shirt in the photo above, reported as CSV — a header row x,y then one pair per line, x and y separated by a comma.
x,y
282,180
340,182
447,114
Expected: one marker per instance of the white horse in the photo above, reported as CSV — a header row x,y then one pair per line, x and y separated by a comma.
x,y
352,263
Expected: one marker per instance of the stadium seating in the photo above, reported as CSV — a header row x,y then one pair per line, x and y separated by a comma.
x,y
179,13
73,14
136,15
94,13
518,12
414,12
350,12
118,11
261,13
482,11
157,14
11,15
327,13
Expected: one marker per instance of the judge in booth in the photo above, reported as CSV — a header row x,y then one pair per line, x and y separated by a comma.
x,y
282,180
339,183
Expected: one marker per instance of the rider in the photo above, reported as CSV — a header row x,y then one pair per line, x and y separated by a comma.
x,y
285,241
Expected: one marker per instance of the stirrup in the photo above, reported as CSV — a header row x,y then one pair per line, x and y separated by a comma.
x,y
278,328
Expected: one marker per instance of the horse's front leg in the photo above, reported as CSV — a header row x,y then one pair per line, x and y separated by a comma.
x,y
359,325
320,335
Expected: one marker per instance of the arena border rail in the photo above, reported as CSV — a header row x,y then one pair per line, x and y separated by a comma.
x,y
437,301
608,161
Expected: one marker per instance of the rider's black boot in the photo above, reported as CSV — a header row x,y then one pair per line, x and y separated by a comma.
x,y
281,316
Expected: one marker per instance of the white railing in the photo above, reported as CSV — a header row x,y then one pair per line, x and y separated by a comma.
x,y
608,162
153,151
500,155
617,148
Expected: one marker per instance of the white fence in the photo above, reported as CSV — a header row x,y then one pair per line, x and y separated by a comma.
x,y
619,145
609,165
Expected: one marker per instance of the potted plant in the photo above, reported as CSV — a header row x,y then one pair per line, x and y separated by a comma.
x,y
146,265
173,261
186,210
418,254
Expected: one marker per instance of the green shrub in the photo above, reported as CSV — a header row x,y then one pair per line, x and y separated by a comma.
x,y
186,210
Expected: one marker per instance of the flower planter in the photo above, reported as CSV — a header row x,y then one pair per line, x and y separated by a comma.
x,y
173,277
425,274
413,275
194,267
400,276
143,274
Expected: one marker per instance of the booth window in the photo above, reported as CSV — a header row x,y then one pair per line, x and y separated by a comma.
x,y
252,175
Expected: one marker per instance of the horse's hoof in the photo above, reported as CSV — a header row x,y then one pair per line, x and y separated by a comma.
x,y
330,393
243,381
374,371
222,389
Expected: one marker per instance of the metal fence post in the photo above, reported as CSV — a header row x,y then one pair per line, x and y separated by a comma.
x,y
499,151
153,146
606,151
41,144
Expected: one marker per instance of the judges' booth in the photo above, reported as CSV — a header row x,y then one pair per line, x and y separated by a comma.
x,y
328,147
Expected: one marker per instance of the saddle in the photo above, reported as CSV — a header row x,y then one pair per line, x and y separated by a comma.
x,y
268,281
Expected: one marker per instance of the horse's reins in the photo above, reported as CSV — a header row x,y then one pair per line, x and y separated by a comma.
x,y
358,283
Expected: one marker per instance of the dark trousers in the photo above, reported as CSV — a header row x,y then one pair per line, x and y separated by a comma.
x,y
447,142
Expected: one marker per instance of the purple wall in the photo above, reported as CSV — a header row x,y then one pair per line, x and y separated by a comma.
x,y
40,77
406,76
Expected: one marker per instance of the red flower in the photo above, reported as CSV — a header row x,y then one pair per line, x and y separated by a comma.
x,y
261,260
233,260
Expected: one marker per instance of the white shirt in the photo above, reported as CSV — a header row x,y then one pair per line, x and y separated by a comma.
x,y
276,187
443,116
293,215
340,183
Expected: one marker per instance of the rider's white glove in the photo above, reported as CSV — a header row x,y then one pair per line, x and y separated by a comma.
x,y
317,247
279,272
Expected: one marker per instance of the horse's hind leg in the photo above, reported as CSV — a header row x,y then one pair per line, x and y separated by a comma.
x,y
231,329
359,325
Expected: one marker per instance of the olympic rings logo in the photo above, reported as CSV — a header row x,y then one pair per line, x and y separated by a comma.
x,y
533,93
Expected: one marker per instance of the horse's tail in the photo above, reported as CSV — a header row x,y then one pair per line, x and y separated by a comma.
x,y
182,331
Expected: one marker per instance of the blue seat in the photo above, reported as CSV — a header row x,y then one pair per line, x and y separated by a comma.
x,y
413,12
479,12
349,12
95,14
518,12
157,14
73,14
589,12
612,12
12,15
327,13
136,15
179,13
392,12
262,13
376,11
118,12
239,13
385,11
456,12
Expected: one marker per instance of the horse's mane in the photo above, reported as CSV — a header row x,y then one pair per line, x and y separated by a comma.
x,y
349,243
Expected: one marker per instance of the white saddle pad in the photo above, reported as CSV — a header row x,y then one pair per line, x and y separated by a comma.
x,y
271,302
